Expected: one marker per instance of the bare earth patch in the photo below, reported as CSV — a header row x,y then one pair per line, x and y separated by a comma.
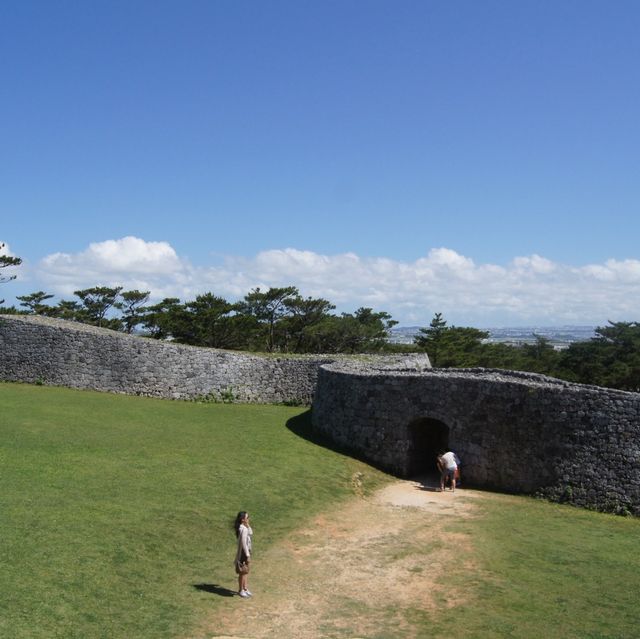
x,y
360,570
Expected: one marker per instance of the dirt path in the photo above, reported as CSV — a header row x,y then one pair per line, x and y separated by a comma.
x,y
356,571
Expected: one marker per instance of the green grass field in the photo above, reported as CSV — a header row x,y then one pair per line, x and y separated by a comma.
x,y
546,570
116,514
114,508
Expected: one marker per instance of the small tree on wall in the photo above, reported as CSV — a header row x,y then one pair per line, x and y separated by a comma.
x,y
96,302
132,307
268,308
429,339
34,302
6,261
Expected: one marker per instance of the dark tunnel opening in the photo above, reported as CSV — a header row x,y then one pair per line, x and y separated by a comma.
x,y
429,437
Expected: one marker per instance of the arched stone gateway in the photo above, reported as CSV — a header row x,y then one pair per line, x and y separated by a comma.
x,y
428,438
517,432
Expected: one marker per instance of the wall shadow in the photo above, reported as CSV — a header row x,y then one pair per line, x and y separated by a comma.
x,y
431,437
301,426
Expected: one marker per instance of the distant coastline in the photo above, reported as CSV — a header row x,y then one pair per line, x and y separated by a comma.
x,y
560,337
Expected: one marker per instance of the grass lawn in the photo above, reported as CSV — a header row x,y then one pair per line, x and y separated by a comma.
x,y
546,570
116,512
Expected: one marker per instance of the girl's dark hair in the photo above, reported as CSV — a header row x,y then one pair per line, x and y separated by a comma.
x,y
239,517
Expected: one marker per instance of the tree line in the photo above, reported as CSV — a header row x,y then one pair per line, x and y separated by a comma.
x,y
281,320
275,320
611,358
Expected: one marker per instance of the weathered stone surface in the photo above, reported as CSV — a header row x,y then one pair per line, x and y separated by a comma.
x,y
57,352
513,431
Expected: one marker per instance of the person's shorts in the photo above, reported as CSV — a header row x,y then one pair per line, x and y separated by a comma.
x,y
449,472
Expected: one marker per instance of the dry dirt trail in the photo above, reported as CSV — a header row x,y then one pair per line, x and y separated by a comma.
x,y
356,571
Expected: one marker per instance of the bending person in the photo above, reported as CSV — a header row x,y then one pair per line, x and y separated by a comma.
x,y
448,464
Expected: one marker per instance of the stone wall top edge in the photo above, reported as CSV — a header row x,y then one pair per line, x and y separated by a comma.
x,y
413,365
493,375
79,327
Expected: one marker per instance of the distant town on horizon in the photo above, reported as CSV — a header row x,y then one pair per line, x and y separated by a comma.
x,y
559,336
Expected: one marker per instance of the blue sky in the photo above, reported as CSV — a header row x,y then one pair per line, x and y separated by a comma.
x,y
476,158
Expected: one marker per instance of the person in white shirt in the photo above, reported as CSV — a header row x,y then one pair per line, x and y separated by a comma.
x,y
448,464
243,552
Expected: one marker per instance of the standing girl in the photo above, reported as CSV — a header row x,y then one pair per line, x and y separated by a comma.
x,y
243,554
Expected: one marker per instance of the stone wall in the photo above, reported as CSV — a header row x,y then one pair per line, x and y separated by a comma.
x,y
43,350
513,431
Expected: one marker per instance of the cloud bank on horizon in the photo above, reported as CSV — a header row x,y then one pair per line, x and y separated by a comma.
x,y
528,290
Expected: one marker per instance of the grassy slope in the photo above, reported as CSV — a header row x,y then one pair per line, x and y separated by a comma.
x,y
548,570
114,508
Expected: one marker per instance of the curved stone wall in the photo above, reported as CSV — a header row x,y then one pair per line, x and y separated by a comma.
x,y
44,350
513,431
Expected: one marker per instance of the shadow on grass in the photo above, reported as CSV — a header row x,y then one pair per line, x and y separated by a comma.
x,y
214,589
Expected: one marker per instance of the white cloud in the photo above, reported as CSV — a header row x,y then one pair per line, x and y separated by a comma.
x,y
129,261
534,264
530,289
5,249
